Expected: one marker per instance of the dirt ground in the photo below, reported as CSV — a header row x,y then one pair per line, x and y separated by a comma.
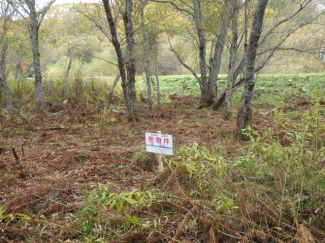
x,y
61,157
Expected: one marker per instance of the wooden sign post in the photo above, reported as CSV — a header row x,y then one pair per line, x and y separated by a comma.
x,y
159,144
159,159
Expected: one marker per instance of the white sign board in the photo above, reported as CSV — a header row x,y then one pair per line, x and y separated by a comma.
x,y
159,143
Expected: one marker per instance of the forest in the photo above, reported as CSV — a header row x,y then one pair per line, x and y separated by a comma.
x,y
162,121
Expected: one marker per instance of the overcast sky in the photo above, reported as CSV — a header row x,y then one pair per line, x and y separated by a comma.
x,y
42,2
72,1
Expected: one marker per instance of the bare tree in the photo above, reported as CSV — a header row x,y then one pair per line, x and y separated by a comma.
x,y
6,14
245,110
147,55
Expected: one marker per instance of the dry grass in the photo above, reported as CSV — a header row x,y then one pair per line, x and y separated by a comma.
x,y
64,156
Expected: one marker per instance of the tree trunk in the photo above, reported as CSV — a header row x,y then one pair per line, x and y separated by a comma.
x,y
147,56
130,58
3,79
202,52
67,74
221,100
245,110
218,50
17,69
156,73
34,28
120,58
110,96
233,55
158,85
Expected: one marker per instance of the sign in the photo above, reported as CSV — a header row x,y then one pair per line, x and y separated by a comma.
x,y
159,143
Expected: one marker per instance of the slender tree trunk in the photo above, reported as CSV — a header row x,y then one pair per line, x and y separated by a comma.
x,y
3,79
17,69
130,58
120,58
110,96
202,51
245,33
245,110
157,74
67,74
147,55
221,100
233,55
158,86
218,50
34,28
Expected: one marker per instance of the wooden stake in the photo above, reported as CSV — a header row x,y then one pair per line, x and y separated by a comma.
x,y
159,160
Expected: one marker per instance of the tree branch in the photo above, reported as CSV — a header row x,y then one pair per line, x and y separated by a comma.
x,y
273,49
95,56
182,62
283,21
42,12
175,6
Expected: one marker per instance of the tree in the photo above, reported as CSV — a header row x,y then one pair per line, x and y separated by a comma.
x,y
155,29
6,14
130,58
147,54
67,73
233,56
218,50
35,18
279,27
126,77
194,10
245,110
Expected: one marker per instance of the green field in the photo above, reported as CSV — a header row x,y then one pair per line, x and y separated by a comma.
x,y
270,88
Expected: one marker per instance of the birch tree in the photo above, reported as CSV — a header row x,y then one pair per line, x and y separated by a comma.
x,y
215,62
245,110
125,77
147,54
67,73
130,57
194,10
35,17
6,14
278,29
233,55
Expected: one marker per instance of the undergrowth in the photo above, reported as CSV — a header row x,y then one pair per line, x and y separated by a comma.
x,y
268,192
269,189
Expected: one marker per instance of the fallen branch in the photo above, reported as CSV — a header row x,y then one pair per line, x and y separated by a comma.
x,y
18,164
118,112
50,129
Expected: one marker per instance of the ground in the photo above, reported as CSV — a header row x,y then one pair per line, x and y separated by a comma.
x,y
84,176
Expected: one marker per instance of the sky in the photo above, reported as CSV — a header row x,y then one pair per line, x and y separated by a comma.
x,y
73,1
42,2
